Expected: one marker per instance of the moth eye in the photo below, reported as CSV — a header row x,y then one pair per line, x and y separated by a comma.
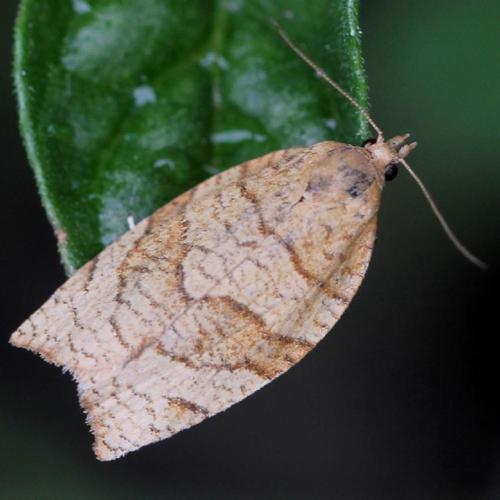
x,y
371,140
391,172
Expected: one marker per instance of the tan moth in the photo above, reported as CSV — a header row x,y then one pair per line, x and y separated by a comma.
x,y
220,291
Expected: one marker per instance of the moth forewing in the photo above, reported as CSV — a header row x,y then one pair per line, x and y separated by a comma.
x,y
214,295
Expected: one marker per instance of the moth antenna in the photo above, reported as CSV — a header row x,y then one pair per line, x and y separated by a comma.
x,y
322,74
451,235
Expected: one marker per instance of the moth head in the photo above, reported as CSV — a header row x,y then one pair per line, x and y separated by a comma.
x,y
387,154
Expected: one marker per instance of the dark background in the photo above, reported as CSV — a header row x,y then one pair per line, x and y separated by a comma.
x,y
400,401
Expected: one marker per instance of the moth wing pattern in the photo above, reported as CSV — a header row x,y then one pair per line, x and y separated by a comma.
x,y
208,299
55,327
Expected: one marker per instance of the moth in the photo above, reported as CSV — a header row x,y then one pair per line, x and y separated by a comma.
x,y
220,291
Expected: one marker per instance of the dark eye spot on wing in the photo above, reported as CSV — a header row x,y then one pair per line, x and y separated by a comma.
x,y
355,190
357,181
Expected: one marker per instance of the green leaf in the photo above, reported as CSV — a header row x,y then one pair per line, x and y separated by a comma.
x,y
124,104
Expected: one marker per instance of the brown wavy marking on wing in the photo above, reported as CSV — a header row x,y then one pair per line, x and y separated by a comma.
x,y
87,313
213,296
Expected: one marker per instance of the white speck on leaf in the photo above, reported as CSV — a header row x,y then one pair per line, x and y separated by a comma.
x,y
130,222
144,94
212,58
164,162
81,6
331,123
235,136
